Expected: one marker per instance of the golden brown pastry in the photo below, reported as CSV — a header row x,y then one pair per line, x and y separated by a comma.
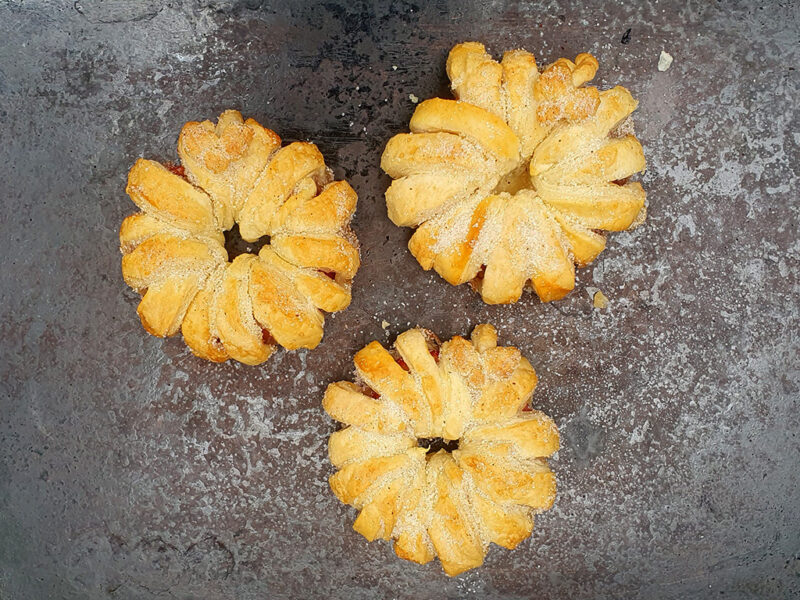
x,y
514,181
173,250
441,451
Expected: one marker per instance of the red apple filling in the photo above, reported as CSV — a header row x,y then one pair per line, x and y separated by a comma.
x,y
368,391
176,169
267,338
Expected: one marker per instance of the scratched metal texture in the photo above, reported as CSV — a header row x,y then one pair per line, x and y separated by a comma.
x,y
130,469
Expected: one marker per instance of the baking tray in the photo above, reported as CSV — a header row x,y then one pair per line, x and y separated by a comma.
x,y
130,469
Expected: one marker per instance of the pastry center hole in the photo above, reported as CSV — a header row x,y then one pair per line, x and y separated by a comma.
x,y
514,181
435,444
235,245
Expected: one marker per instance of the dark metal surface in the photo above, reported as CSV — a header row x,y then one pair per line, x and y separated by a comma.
x,y
130,469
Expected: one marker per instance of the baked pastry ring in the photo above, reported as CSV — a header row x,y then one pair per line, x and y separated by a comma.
x,y
174,252
515,180
445,502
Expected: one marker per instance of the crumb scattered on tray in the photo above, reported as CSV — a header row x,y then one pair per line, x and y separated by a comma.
x,y
394,67
413,98
385,324
599,300
664,61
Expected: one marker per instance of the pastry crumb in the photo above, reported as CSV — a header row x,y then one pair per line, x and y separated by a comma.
x,y
599,300
385,324
664,61
413,98
394,67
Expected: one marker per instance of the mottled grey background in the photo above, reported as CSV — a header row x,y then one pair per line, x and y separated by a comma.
x,y
131,470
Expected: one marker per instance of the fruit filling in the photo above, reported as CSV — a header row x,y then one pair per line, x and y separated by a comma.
x,y
368,391
176,169
267,338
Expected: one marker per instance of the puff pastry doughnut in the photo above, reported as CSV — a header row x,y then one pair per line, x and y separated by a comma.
x,y
432,498
513,183
174,254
